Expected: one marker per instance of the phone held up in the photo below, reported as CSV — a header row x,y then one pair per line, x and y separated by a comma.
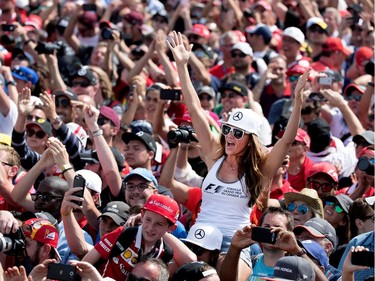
x,y
263,235
170,94
79,181
62,272
364,258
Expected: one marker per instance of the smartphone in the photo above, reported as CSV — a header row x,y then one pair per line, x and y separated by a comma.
x,y
316,97
89,7
79,181
327,81
263,235
8,27
365,258
170,94
63,272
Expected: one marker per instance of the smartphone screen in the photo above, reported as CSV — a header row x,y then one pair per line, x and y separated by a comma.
x,y
62,272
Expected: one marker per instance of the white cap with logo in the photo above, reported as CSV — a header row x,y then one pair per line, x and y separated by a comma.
x,y
205,235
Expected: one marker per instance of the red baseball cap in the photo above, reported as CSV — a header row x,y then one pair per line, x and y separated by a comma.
x,y
326,168
185,118
164,206
298,69
335,44
33,22
200,30
363,55
302,136
41,230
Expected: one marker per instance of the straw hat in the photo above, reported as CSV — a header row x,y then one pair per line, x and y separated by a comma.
x,y
310,197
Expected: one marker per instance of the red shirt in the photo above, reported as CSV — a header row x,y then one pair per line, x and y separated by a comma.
x,y
193,204
120,266
299,181
320,66
220,70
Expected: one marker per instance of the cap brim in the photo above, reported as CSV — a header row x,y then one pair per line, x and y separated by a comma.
x,y
312,202
310,230
127,137
15,75
196,243
117,219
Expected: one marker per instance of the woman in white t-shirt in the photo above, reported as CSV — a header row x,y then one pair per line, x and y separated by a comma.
x,y
240,167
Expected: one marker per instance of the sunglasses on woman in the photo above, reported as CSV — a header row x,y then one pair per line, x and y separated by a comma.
x,y
237,133
302,209
39,134
326,187
335,206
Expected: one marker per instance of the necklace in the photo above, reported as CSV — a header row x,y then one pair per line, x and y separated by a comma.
x,y
231,167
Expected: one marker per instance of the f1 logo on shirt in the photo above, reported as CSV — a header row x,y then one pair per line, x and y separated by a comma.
x,y
213,188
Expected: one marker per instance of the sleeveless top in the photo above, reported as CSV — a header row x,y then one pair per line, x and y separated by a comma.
x,y
224,204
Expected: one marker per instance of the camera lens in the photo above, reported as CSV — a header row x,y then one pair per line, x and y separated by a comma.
x,y
107,34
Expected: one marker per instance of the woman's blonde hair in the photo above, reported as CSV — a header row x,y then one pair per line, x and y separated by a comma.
x,y
104,82
12,157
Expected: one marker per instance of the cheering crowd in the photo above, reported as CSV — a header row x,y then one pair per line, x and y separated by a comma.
x,y
188,140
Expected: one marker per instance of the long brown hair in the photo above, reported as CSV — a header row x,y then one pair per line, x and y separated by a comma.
x,y
249,165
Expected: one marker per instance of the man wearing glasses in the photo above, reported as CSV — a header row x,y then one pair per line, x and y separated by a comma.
x,y
84,82
324,179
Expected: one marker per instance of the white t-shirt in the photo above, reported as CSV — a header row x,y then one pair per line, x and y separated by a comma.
x,y
224,204
7,122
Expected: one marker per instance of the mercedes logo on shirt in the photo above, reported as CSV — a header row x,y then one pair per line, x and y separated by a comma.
x,y
199,233
237,116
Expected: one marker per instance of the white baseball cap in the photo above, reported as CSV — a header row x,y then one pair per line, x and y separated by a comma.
x,y
245,119
93,181
205,235
295,33
244,48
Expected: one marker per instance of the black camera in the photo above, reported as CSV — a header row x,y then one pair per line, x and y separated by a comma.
x,y
369,67
107,33
13,244
89,156
50,48
182,134
366,165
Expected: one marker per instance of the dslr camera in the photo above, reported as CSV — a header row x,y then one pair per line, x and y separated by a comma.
x,y
183,134
107,33
50,48
366,165
89,157
13,244
370,67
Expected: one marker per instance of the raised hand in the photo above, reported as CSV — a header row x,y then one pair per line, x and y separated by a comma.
x,y
334,98
242,238
49,106
160,44
69,201
40,271
175,43
25,105
58,150
91,117
16,274
302,80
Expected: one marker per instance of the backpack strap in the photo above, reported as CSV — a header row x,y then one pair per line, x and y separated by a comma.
x,y
124,240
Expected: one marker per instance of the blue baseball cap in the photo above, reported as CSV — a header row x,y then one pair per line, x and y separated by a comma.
x,y
25,74
316,251
144,173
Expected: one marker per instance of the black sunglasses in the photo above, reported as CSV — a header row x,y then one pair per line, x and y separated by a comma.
x,y
196,249
39,134
193,37
83,84
44,197
31,117
316,29
132,277
239,55
62,102
102,121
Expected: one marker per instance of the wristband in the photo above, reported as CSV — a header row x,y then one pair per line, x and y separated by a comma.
x,y
67,169
66,214
97,133
11,82
301,253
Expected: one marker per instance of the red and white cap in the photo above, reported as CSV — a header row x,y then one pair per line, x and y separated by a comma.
x,y
326,168
200,30
164,206
41,230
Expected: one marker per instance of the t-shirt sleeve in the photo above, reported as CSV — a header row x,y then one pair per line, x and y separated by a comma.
x,y
105,245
